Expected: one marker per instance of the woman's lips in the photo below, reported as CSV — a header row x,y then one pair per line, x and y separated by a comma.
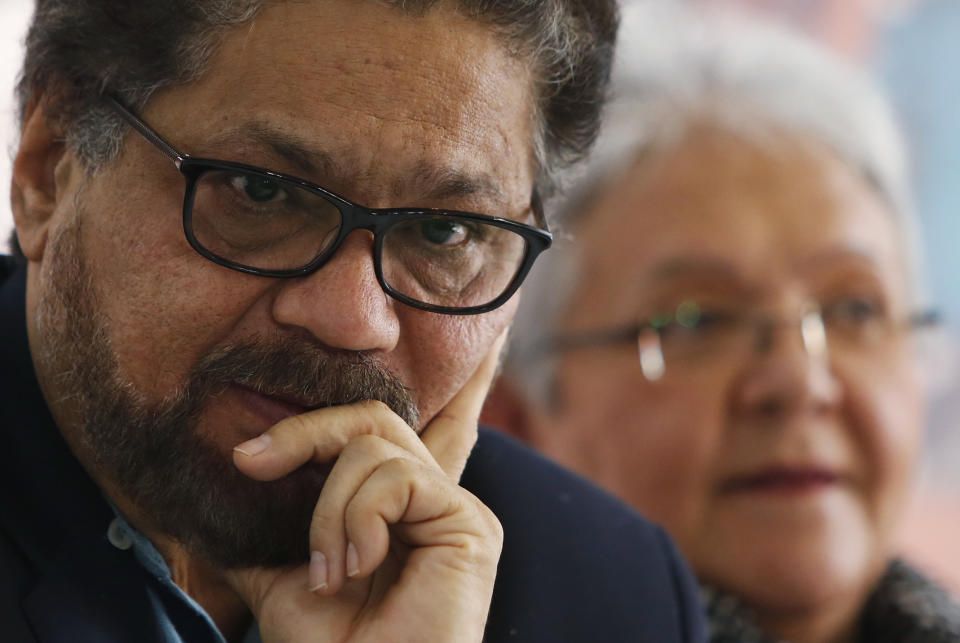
x,y
783,480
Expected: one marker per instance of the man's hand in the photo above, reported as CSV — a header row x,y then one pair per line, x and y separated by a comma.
x,y
399,550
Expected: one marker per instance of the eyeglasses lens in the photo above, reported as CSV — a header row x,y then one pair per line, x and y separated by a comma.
x,y
446,260
264,222
260,221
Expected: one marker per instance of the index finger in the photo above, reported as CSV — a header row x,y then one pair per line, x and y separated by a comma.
x,y
450,436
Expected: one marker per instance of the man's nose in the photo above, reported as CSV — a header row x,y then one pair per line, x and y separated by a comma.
x,y
788,372
342,304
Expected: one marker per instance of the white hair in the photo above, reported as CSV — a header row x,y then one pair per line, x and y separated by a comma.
x,y
675,69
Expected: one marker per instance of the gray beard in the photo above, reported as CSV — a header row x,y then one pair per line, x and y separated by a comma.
x,y
154,453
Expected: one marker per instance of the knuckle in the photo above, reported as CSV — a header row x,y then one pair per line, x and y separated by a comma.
x,y
325,526
382,418
375,407
492,522
367,443
354,514
400,467
487,520
325,516
480,550
296,422
362,511
292,427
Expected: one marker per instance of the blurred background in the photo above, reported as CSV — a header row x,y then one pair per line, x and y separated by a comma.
x,y
912,46
14,15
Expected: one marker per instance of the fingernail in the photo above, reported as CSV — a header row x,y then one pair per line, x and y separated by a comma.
x,y
353,560
255,446
318,571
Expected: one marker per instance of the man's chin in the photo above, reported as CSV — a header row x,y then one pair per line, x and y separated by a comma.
x,y
239,522
175,465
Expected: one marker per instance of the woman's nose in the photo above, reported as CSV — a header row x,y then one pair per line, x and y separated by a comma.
x,y
789,371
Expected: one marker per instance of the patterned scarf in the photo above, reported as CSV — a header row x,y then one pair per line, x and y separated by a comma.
x,y
905,607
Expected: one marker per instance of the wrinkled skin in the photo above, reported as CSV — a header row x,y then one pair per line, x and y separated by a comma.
x,y
768,228
382,120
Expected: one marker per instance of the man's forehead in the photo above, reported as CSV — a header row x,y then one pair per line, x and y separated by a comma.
x,y
427,105
344,46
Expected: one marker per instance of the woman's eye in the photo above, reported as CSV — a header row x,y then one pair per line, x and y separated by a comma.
x,y
708,321
444,233
711,318
258,188
691,318
852,310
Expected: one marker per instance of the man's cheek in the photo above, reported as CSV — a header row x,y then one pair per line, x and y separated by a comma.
x,y
456,347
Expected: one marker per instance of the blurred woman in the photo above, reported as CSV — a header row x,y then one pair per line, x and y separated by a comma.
x,y
731,343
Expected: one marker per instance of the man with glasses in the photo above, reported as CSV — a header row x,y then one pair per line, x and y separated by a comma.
x,y
268,254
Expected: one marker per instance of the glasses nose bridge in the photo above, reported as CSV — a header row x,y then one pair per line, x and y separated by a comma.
x,y
764,327
359,217
353,217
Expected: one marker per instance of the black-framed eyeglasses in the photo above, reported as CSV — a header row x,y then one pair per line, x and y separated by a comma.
x,y
275,225
694,335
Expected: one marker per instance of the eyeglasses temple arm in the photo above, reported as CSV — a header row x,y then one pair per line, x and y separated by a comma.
x,y
155,139
592,338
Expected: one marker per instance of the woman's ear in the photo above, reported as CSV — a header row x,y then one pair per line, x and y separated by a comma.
x,y
506,409
40,171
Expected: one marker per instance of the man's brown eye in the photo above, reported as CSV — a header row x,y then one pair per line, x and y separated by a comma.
x,y
444,233
258,188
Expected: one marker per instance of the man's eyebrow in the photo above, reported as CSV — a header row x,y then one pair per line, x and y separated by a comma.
x,y
426,181
446,183
306,159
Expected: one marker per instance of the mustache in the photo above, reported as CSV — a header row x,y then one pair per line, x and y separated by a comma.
x,y
300,372
161,460
156,453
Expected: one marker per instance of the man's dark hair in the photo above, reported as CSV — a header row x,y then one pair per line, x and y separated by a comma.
x,y
77,51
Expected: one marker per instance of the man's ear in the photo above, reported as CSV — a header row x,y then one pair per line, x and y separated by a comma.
x,y
40,173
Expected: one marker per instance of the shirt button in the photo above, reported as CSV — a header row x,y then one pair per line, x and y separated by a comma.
x,y
118,535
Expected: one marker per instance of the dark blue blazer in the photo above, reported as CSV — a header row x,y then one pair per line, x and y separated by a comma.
x,y
577,564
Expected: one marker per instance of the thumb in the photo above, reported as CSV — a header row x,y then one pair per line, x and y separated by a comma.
x,y
450,436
